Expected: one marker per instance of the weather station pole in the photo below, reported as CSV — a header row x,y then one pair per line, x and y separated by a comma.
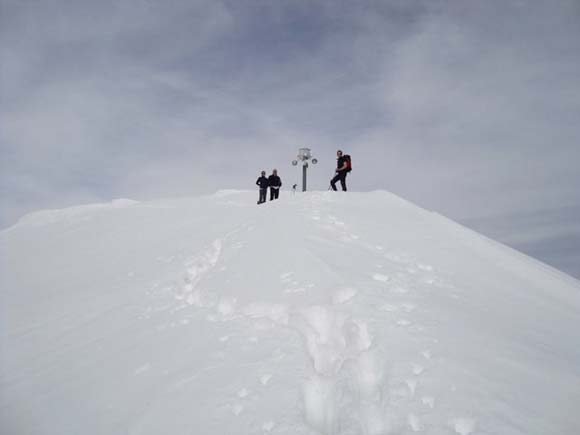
x,y
304,156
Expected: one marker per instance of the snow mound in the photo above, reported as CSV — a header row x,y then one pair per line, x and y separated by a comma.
x,y
47,217
320,313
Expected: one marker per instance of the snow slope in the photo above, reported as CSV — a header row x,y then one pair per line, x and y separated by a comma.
x,y
321,313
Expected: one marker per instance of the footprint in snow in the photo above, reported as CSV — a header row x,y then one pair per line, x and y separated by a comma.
x,y
426,354
368,374
417,369
428,401
425,267
412,384
237,409
319,401
403,322
414,423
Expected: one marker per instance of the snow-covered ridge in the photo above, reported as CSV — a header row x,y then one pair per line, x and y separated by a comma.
x,y
43,217
319,313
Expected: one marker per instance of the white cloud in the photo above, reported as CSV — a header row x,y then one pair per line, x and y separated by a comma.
x,y
467,108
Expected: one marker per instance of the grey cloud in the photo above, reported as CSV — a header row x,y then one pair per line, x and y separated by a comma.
x,y
467,108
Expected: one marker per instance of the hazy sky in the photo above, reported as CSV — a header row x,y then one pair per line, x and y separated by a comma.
x,y
469,108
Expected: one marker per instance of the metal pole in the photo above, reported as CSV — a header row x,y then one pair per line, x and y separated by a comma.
x,y
304,166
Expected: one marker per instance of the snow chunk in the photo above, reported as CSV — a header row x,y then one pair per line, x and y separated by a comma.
x,y
265,379
268,426
414,423
380,277
144,368
344,295
463,426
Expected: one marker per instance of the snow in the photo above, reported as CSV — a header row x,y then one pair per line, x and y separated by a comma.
x,y
320,313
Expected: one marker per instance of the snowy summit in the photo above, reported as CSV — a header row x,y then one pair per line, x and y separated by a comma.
x,y
320,313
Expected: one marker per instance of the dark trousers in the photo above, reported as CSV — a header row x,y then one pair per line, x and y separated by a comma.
x,y
262,195
274,193
339,176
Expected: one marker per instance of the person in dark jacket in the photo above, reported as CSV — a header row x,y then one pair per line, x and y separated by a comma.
x,y
262,182
341,171
275,183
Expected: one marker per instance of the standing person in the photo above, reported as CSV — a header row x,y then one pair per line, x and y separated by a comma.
x,y
342,168
262,182
275,183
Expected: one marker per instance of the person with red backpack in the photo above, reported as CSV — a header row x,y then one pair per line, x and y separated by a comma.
x,y
343,167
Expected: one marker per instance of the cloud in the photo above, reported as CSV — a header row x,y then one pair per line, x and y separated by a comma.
x,y
482,105
467,108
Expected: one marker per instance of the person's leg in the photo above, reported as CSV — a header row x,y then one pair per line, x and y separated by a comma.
x,y
276,193
334,180
262,195
343,181
272,193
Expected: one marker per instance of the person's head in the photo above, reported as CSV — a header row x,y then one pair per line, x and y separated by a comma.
x,y
339,153
275,171
263,173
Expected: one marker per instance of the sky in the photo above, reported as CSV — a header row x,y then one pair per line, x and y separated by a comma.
x,y
467,108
